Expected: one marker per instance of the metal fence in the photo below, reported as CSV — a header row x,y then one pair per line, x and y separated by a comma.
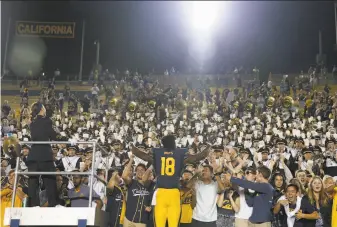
x,y
91,173
215,80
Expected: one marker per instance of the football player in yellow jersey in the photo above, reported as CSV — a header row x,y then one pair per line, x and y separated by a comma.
x,y
168,163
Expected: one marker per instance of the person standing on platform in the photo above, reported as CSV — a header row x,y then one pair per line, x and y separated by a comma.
x,y
40,158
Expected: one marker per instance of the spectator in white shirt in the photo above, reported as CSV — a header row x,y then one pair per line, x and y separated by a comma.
x,y
270,85
205,211
94,94
99,186
94,90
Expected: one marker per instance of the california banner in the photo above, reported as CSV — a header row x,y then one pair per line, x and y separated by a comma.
x,y
46,29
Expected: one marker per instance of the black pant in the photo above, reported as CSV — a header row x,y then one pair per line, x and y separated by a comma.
x,y
185,225
196,223
48,180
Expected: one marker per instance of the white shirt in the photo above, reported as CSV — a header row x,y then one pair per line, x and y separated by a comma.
x,y
23,165
99,188
270,84
245,211
206,195
230,97
69,163
330,162
94,90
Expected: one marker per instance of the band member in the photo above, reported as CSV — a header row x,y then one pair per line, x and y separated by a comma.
x,y
79,195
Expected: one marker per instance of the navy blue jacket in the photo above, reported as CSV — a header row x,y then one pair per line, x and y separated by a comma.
x,y
262,201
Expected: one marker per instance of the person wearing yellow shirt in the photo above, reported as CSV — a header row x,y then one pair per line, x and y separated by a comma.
x,y
334,209
6,196
187,196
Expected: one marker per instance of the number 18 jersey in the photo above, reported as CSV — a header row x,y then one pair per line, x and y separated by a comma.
x,y
168,165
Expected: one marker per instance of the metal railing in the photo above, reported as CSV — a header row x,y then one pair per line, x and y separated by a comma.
x,y
92,173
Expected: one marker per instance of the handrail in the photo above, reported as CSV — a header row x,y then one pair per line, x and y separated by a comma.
x,y
55,142
53,173
92,173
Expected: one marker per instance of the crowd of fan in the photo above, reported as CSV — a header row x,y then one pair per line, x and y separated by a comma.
x,y
294,135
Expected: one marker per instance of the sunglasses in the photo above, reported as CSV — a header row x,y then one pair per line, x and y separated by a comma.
x,y
249,172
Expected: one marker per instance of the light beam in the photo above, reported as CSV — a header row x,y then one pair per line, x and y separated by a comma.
x,y
204,15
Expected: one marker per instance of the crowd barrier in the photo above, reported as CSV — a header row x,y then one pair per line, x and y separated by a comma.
x,y
52,216
226,80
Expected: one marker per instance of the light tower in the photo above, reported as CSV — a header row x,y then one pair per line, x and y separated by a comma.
x,y
335,9
320,57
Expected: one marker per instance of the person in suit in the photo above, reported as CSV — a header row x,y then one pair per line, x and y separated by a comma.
x,y
40,157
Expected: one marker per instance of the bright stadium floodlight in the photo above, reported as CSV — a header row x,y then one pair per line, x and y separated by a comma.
x,y
201,20
204,14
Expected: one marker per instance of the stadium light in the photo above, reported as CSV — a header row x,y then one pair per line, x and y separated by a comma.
x,y
204,15
202,20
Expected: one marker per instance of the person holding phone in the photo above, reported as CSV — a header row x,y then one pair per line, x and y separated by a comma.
x,y
40,157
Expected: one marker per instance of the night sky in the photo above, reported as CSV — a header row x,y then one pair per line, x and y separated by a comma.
x,y
280,37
